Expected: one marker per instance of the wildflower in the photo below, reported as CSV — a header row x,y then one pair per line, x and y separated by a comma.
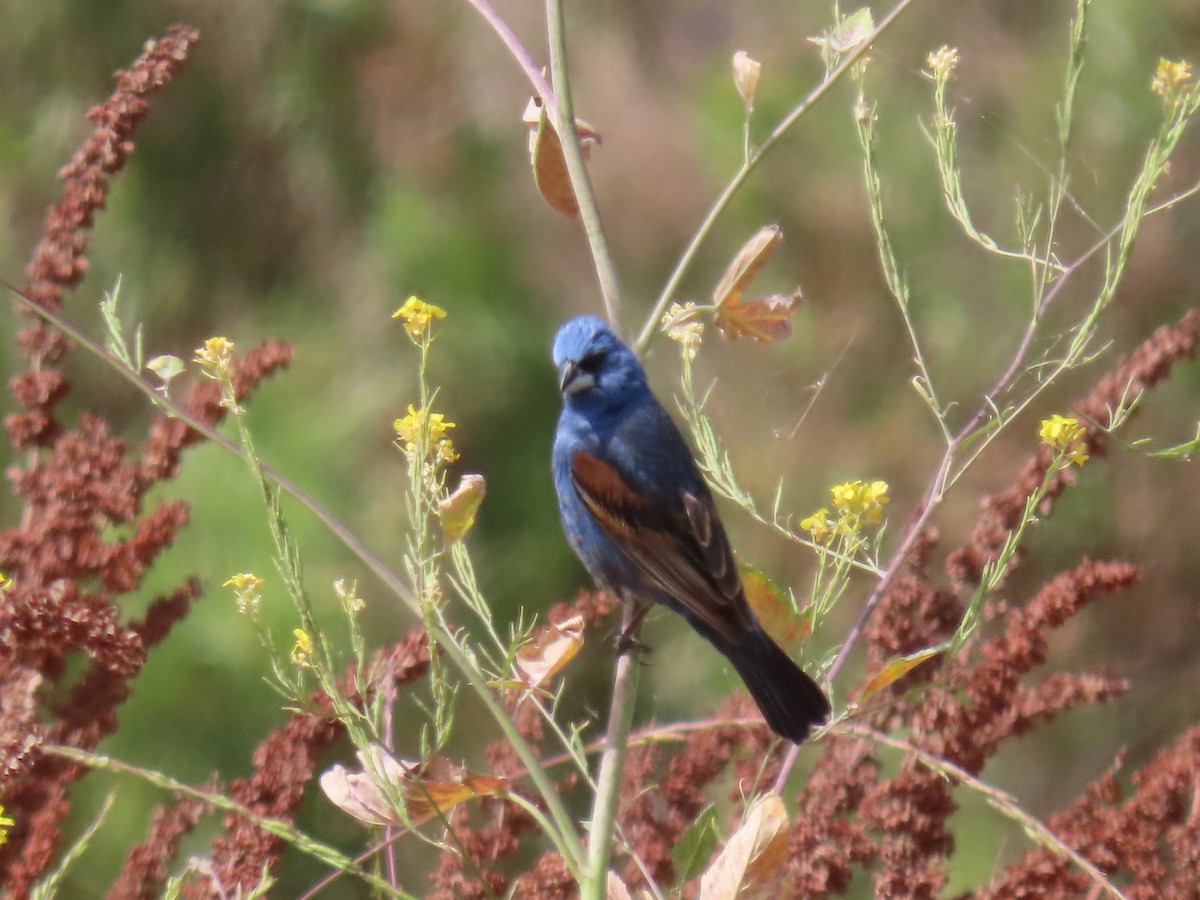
x,y
302,651
1065,435
942,63
5,824
410,428
246,586
1170,79
861,500
417,315
683,328
817,525
214,357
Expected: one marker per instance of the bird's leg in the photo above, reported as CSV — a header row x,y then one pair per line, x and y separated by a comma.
x,y
626,641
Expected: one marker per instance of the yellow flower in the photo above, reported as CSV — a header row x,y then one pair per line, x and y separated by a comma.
x,y
683,328
244,582
417,314
859,500
942,63
817,525
434,425
5,584
1065,435
214,357
246,586
5,824
1170,78
303,649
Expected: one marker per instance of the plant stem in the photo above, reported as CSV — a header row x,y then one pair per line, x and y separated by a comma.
x,y
564,124
604,811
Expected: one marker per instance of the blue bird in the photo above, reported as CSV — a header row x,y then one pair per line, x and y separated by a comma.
x,y
636,510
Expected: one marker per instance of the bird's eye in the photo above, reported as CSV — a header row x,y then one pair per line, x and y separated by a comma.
x,y
592,362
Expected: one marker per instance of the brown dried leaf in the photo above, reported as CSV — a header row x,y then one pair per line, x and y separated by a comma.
x,y
774,611
457,512
357,795
766,319
552,648
550,173
753,859
615,888
746,265
438,788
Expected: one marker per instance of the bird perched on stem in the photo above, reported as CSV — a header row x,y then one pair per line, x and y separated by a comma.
x,y
636,510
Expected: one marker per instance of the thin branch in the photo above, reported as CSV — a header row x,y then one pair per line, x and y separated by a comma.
x,y
612,761
276,827
564,124
999,800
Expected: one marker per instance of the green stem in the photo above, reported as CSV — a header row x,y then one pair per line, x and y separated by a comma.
x,y
589,212
277,827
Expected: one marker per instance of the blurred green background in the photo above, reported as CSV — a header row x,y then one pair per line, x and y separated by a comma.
x,y
317,162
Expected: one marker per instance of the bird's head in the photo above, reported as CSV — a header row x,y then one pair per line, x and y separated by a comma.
x,y
594,365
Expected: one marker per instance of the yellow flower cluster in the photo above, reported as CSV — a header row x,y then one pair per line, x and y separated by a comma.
x,y
1170,78
857,503
433,426
215,356
418,315
246,585
860,499
683,328
5,824
1065,435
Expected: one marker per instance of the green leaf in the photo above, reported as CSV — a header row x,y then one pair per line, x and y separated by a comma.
x,y
696,846
774,611
897,668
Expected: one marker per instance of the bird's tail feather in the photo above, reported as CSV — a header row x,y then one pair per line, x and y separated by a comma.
x,y
790,700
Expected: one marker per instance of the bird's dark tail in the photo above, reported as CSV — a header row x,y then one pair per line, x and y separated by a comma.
x,y
790,701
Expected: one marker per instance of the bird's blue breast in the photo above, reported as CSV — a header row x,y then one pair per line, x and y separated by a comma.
x,y
639,439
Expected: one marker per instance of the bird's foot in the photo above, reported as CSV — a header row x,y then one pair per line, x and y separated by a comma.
x,y
628,643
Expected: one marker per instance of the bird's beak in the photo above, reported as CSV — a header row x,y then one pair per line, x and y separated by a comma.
x,y
572,379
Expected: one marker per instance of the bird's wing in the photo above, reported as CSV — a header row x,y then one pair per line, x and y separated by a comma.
x,y
683,552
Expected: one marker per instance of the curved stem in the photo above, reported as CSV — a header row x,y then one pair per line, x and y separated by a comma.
x,y
540,86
